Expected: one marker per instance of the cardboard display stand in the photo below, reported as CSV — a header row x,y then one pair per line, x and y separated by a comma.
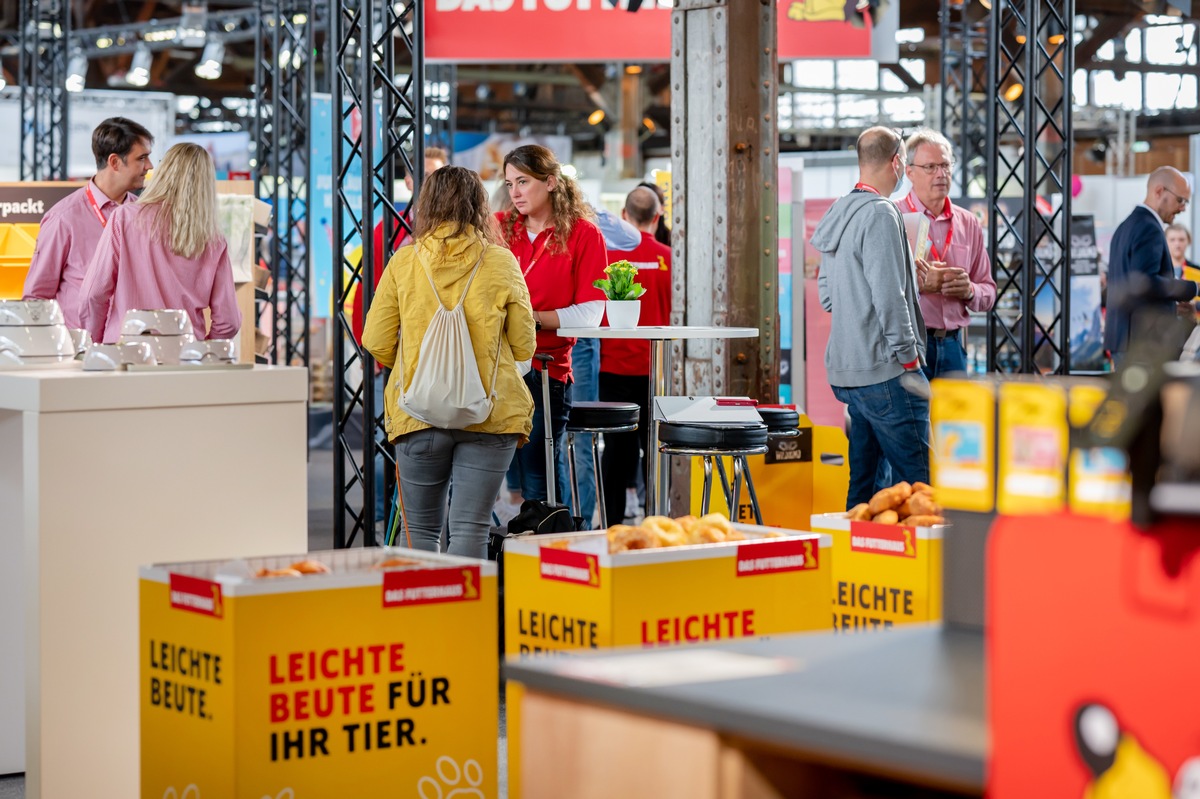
x,y
883,574
362,682
581,597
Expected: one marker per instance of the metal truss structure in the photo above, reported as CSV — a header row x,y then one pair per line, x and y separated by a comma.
x,y
378,77
284,79
1030,66
45,29
964,109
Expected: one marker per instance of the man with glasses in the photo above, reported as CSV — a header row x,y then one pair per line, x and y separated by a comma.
x,y
956,276
868,282
1141,275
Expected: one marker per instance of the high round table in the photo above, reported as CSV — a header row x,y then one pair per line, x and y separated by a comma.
x,y
656,493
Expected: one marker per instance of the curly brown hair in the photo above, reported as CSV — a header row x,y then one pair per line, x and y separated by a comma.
x,y
566,201
454,195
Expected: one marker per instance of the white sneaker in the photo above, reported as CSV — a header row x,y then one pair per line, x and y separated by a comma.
x,y
632,509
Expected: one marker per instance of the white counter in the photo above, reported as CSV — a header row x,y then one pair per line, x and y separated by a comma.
x,y
101,473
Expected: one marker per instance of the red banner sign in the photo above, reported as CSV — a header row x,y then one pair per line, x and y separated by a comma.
x,y
565,566
538,31
196,595
883,539
430,586
773,557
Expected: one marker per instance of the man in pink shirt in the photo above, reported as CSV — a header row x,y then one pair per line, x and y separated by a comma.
x,y
957,276
71,229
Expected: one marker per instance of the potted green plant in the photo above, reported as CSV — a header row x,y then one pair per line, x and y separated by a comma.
x,y
623,306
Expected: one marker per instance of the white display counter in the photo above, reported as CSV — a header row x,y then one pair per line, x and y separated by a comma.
x,y
99,474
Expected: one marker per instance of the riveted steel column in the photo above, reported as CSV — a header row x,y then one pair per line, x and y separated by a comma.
x,y
724,196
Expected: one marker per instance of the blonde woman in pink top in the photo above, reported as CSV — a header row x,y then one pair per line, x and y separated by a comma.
x,y
164,252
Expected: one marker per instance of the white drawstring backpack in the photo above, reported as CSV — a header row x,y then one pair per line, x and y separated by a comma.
x,y
446,390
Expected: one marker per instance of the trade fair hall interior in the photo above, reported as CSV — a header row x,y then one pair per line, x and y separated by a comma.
x,y
594,398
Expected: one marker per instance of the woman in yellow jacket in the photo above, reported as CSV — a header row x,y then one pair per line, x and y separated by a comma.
x,y
454,226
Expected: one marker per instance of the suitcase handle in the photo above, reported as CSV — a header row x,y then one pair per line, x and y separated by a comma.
x,y
551,472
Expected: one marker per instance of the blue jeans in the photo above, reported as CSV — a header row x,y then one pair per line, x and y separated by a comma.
x,y
531,458
886,422
429,460
585,364
944,355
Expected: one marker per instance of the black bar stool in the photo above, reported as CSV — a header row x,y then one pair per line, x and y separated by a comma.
x,y
597,418
713,442
781,422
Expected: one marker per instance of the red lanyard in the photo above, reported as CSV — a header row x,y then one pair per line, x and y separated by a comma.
x,y
536,255
865,187
912,207
95,208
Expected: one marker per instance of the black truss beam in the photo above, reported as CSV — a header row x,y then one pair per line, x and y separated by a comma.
x,y
964,48
284,80
1029,167
378,77
45,31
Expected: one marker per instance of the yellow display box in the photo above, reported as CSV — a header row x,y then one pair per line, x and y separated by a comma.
x,y
1099,483
963,417
360,682
883,574
17,242
567,593
796,478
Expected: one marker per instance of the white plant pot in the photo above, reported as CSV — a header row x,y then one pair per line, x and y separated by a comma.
x,y
623,314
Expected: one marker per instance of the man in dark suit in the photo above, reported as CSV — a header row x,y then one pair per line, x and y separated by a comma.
x,y
1141,277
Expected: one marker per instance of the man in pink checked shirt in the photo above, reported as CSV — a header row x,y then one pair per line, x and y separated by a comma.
x,y
957,276
71,229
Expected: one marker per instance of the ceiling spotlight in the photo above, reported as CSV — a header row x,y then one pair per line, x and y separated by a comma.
x,y
1014,92
633,69
649,124
596,117
987,4
77,69
139,67
104,42
211,61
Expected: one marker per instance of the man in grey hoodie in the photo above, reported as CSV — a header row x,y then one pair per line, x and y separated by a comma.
x,y
877,343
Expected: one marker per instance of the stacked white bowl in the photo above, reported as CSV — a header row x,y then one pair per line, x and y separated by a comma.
x,y
32,333
167,331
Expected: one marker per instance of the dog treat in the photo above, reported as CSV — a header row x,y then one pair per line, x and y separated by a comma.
x,y
277,573
660,531
920,503
923,521
889,498
886,517
395,563
859,513
310,567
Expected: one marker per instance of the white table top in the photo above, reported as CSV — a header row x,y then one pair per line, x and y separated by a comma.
x,y
58,390
660,333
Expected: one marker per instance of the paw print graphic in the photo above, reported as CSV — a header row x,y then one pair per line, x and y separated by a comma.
x,y
460,783
286,793
190,792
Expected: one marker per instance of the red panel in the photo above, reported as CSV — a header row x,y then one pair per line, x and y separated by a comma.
x,y
1093,625
534,31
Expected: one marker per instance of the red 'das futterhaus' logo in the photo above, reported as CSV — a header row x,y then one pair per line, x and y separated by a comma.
x,y
883,539
196,595
772,557
430,586
565,566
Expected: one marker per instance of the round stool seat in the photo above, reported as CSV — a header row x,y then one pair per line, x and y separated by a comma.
x,y
590,417
777,418
712,436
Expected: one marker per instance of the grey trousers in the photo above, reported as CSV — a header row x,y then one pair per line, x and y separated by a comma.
x,y
429,461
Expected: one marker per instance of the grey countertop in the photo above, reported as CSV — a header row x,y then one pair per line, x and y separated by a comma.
x,y
906,701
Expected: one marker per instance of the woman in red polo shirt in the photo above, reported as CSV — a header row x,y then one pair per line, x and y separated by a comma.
x,y
561,253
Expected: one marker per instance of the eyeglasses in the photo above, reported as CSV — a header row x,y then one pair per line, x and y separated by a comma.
x,y
931,169
1183,203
